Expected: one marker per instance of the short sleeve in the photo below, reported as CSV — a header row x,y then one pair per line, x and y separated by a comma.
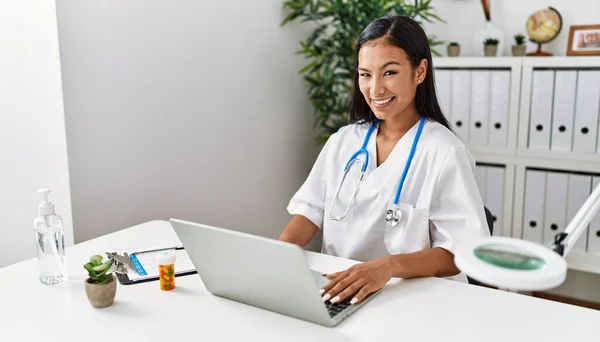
x,y
456,212
309,200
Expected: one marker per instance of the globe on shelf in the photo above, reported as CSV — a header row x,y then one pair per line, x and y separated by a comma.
x,y
542,27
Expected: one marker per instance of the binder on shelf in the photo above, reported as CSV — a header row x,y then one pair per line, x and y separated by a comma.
x,y
495,196
580,188
541,109
593,245
533,211
555,205
499,108
565,82
587,108
479,108
460,101
443,79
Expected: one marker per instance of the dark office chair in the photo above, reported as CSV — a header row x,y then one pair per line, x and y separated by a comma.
x,y
490,221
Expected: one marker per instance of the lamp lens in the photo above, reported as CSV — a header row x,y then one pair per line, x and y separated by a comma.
x,y
509,257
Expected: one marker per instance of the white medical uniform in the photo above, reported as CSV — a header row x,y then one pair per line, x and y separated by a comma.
x,y
440,202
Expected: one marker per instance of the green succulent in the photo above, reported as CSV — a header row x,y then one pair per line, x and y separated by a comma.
x,y
491,41
454,44
98,269
519,38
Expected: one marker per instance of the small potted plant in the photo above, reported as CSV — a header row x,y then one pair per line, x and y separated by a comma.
x,y
490,47
453,49
519,48
100,286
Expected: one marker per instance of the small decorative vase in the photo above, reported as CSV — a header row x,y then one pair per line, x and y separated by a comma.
x,y
453,50
101,295
489,31
490,50
519,50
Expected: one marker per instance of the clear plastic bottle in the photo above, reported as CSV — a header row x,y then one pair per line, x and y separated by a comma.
x,y
50,241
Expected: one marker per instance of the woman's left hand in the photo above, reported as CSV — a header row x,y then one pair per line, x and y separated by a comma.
x,y
358,281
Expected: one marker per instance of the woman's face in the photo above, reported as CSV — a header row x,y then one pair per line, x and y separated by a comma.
x,y
386,78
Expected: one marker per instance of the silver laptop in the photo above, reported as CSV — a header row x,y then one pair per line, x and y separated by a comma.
x,y
261,272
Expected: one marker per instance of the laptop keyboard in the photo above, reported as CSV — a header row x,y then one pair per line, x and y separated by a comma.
x,y
338,307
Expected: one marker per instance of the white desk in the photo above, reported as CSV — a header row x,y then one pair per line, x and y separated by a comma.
x,y
407,310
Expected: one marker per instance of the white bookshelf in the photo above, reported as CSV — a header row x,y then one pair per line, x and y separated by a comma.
x,y
477,62
516,157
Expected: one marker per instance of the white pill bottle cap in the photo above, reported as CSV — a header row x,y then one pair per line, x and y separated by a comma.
x,y
166,258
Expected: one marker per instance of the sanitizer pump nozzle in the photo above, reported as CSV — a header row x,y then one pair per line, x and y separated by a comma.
x,y
46,207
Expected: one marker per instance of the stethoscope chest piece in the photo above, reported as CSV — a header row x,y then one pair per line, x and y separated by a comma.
x,y
393,217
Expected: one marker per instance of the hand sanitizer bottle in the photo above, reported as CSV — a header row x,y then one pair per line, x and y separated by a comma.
x,y
50,243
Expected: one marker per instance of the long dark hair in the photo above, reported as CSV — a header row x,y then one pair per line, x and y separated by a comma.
x,y
407,34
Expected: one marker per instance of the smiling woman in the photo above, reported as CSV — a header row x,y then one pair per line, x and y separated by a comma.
x,y
394,56
394,82
404,213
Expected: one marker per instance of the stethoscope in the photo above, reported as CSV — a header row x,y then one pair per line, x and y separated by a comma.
x,y
392,216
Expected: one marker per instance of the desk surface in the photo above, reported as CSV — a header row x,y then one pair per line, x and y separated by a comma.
x,y
409,310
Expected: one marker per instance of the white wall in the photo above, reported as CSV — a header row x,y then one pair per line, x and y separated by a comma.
x,y
187,109
32,134
464,17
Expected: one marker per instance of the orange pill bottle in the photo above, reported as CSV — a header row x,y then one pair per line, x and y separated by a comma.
x,y
166,270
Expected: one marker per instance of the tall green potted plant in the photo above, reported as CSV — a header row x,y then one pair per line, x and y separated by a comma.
x,y
330,49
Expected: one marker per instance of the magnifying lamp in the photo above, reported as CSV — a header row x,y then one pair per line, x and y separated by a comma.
x,y
521,265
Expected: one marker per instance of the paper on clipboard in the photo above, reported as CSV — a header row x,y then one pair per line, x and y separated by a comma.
x,y
146,268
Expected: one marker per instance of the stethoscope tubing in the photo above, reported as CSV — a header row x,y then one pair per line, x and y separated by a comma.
x,y
363,150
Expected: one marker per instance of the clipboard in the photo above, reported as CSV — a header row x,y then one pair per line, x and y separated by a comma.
x,y
145,267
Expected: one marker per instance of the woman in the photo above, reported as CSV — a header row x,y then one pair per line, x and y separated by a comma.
x,y
438,202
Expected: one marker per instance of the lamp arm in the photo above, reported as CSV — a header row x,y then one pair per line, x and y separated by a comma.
x,y
563,242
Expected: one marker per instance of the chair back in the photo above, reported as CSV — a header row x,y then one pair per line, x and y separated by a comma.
x,y
490,222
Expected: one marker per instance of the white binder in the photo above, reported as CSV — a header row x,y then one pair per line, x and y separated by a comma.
x,y
580,188
594,229
499,107
587,106
495,196
481,180
563,110
443,79
533,211
460,101
480,107
556,205
541,109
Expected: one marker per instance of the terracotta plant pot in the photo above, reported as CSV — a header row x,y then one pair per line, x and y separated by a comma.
x,y
453,50
519,50
101,295
490,50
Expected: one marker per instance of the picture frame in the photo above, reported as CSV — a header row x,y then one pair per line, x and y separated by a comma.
x,y
584,40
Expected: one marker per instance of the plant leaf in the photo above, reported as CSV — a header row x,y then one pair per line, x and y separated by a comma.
x,y
96,260
308,67
90,268
103,267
